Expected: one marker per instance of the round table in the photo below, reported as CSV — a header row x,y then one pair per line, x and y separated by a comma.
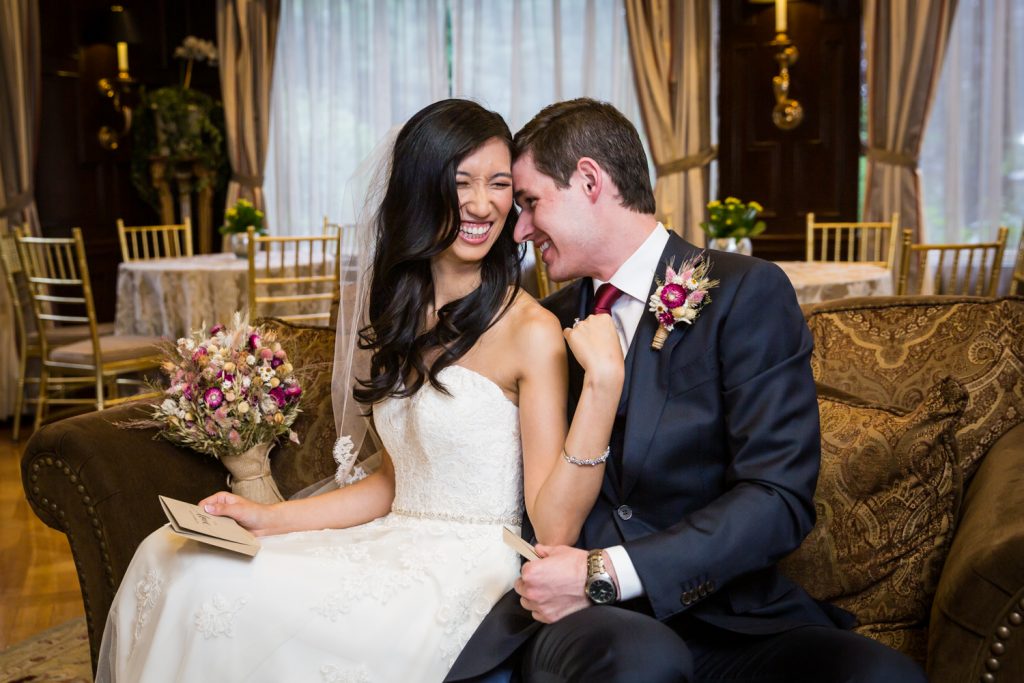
x,y
822,281
171,297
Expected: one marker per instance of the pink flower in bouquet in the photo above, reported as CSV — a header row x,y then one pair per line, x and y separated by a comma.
x,y
230,388
279,396
213,397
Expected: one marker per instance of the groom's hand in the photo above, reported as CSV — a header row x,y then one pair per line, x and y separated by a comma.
x,y
552,587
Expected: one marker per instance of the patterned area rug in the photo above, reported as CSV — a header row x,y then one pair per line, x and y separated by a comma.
x,y
58,654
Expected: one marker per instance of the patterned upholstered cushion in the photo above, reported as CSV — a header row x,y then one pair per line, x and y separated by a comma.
x,y
890,350
311,350
887,501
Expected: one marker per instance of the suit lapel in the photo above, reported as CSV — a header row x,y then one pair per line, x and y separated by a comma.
x,y
646,382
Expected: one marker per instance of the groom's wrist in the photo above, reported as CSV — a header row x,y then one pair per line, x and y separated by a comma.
x,y
627,579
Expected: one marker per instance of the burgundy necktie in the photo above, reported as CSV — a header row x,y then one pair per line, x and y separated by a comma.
x,y
607,295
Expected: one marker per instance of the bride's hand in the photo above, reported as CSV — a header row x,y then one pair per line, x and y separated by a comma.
x,y
595,344
255,517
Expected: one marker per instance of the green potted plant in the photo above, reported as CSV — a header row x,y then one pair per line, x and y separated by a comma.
x,y
180,127
237,220
731,223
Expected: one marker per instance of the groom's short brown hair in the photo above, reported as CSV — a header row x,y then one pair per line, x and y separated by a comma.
x,y
564,132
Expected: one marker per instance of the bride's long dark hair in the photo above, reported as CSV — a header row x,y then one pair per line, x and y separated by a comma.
x,y
418,219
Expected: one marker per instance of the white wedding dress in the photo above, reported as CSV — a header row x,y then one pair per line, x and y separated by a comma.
x,y
394,600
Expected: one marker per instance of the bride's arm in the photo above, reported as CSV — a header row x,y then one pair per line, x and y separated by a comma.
x,y
351,505
560,494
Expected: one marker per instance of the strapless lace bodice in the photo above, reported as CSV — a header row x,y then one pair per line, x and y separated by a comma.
x,y
457,456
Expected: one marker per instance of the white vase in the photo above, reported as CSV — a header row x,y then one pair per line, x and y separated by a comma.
x,y
740,246
250,474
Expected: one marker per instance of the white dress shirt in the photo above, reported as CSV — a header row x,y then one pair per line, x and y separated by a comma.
x,y
633,278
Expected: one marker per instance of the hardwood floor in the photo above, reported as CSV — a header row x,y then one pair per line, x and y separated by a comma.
x,y
38,582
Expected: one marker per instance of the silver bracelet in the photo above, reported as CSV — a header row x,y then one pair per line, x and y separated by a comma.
x,y
590,463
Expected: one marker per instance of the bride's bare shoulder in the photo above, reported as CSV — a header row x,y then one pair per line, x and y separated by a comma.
x,y
530,323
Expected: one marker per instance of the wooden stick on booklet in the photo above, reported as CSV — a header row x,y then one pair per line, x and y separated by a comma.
x,y
515,541
191,521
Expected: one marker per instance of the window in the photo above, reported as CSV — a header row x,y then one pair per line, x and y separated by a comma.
x,y
972,157
345,73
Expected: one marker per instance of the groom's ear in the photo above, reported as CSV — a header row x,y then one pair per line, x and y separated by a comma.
x,y
591,177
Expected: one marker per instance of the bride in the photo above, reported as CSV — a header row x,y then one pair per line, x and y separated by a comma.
x,y
387,578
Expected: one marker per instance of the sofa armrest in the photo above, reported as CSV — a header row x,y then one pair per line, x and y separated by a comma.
x,y
976,631
98,483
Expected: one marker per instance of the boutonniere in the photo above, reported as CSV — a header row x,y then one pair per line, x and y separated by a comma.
x,y
680,296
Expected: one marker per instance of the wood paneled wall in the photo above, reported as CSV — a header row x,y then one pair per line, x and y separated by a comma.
x,y
813,167
78,183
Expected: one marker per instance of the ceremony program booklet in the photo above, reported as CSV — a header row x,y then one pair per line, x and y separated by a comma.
x,y
515,541
191,522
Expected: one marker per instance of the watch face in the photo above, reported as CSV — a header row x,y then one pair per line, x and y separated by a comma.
x,y
601,591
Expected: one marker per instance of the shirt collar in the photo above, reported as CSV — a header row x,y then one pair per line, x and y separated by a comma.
x,y
634,277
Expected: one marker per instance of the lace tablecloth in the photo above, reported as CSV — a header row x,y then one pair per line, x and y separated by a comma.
x,y
816,282
171,297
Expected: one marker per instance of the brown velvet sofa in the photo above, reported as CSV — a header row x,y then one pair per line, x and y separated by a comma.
x,y
920,502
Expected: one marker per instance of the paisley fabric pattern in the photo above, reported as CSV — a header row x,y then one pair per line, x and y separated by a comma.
x,y
887,501
295,466
890,352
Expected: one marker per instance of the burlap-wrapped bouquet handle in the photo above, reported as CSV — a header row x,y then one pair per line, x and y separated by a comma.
x,y
250,474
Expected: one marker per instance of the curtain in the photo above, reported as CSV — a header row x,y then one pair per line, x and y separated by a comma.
x,y
972,157
246,37
19,110
906,42
671,48
544,52
344,74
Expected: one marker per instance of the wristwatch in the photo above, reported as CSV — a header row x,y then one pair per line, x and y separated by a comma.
x,y
599,587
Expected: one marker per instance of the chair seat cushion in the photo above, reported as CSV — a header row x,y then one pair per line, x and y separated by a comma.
x,y
887,502
58,336
113,348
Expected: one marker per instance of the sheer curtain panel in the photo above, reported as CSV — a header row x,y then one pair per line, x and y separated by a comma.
x,y
345,73
972,158
518,57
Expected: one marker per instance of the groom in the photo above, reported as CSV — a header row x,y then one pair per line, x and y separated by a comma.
x,y
714,459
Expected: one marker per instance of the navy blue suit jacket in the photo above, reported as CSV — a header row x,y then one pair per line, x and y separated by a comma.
x,y
714,461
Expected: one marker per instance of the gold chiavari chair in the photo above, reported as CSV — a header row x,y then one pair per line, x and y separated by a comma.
x,y
301,270
961,273
144,242
871,242
331,229
1017,283
26,338
58,283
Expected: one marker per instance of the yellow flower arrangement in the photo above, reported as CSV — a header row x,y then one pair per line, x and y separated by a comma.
x,y
733,218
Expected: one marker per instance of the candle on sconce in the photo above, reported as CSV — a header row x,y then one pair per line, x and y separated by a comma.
x,y
122,60
780,16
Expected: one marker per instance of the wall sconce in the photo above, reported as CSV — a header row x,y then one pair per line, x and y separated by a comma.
x,y
114,27
787,113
